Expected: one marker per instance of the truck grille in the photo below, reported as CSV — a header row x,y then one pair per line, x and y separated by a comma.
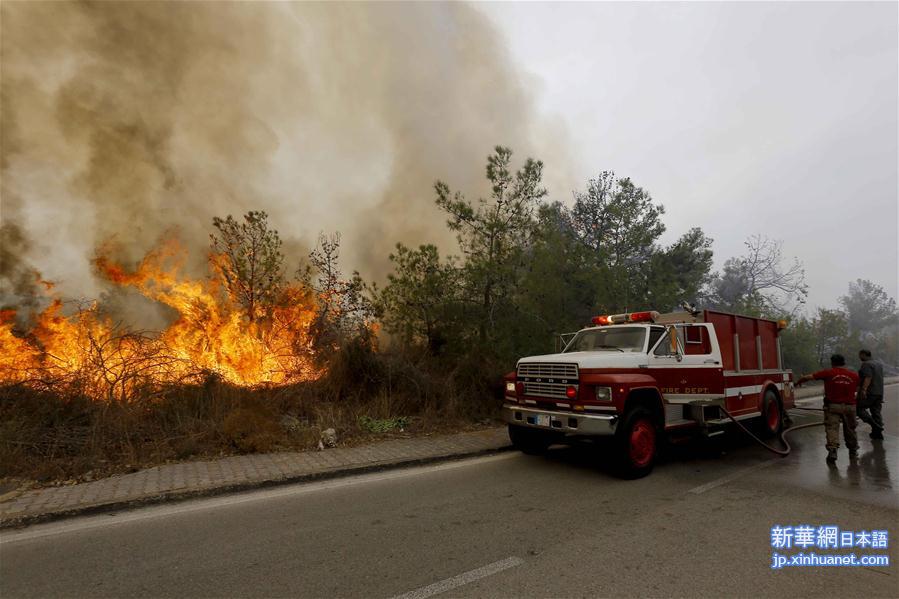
x,y
551,371
547,379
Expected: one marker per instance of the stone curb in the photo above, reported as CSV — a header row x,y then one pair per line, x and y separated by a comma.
x,y
10,522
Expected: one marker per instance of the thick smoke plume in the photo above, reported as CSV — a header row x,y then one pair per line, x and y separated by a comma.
x,y
127,120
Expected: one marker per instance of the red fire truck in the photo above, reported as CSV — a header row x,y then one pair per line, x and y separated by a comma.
x,y
639,376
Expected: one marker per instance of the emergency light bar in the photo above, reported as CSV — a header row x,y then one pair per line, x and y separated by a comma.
x,y
648,316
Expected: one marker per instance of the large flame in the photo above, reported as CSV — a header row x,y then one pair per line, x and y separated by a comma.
x,y
211,335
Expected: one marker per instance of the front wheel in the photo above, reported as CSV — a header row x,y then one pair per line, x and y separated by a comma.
x,y
636,444
529,440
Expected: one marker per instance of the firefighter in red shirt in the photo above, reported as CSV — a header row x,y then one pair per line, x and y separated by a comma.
x,y
840,384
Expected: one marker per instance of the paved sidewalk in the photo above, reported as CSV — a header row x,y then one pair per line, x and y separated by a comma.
x,y
190,479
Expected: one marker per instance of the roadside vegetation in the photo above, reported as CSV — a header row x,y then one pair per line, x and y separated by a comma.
x,y
421,352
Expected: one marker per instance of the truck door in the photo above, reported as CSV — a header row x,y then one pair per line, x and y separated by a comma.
x,y
697,342
664,362
686,363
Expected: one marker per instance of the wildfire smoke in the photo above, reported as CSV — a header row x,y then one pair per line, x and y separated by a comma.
x,y
128,118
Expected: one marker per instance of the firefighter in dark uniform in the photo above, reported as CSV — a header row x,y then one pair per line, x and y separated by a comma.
x,y
840,386
870,393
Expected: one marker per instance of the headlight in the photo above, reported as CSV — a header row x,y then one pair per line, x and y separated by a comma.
x,y
603,394
510,387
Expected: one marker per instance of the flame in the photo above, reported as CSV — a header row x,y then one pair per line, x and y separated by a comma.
x,y
210,335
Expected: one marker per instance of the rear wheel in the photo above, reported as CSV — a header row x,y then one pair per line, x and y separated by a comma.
x,y
529,440
772,414
637,440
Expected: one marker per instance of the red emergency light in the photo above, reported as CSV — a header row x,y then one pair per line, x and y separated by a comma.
x,y
647,316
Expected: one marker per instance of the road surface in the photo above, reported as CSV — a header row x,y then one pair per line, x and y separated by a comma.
x,y
507,525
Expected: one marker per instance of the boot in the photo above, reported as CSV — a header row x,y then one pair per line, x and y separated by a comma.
x,y
831,455
853,454
877,434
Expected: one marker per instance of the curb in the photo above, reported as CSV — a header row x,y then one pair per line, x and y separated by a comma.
x,y
187,494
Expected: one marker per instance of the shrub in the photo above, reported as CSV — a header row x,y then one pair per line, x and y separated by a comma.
x,y
250,430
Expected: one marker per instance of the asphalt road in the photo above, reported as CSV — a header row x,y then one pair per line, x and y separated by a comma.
x,y
501,526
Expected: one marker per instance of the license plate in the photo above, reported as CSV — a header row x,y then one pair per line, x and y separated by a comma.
x,y
543,420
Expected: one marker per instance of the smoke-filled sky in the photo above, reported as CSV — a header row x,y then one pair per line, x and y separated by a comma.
x,y
125,120
777,118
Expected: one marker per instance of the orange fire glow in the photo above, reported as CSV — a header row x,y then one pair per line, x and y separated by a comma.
x,y
211,334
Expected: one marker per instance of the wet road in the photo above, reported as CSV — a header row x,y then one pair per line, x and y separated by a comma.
x,y
501,526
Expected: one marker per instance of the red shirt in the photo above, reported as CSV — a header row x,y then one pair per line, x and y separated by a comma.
x,y
839,384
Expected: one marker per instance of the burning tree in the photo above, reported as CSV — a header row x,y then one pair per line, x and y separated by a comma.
x,y
249,261
343,309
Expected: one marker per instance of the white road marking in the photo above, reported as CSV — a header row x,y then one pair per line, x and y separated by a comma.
x,y
732,476
460,579
101,520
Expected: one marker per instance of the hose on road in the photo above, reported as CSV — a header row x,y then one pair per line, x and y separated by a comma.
x,y
783,433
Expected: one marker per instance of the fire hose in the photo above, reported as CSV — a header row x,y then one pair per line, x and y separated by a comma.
x,y
783,433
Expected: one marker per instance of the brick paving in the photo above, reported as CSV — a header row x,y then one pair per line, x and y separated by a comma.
x,y
172,481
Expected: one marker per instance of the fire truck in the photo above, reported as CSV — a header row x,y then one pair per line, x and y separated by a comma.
x,y
642,377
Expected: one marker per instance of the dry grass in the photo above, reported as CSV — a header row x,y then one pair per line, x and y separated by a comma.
x,y
57,434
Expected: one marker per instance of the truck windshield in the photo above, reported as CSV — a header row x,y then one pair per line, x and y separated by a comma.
x,y
620,339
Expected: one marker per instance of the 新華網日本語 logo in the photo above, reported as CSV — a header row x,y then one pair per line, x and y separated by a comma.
x,y
804,536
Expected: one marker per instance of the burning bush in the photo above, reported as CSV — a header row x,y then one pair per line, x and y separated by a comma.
x,y
244,352
86,352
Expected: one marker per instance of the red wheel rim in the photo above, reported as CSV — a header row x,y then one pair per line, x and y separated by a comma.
x,y
642,443
773,415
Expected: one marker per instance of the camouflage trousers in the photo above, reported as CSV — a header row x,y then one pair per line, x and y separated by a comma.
x,y
834,414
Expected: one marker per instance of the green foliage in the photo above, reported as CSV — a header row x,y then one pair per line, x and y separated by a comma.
x,y
831,336
868,308
383,425
493,234
868,319
617,219
678,273
251,262
559,286
421,302
797,344
530,270
872,319
618,222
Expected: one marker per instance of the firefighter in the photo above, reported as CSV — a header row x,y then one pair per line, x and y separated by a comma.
x,y
840,385
870,393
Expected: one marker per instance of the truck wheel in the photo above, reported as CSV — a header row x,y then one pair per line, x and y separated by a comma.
x,y
528,440
636,444
772,414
